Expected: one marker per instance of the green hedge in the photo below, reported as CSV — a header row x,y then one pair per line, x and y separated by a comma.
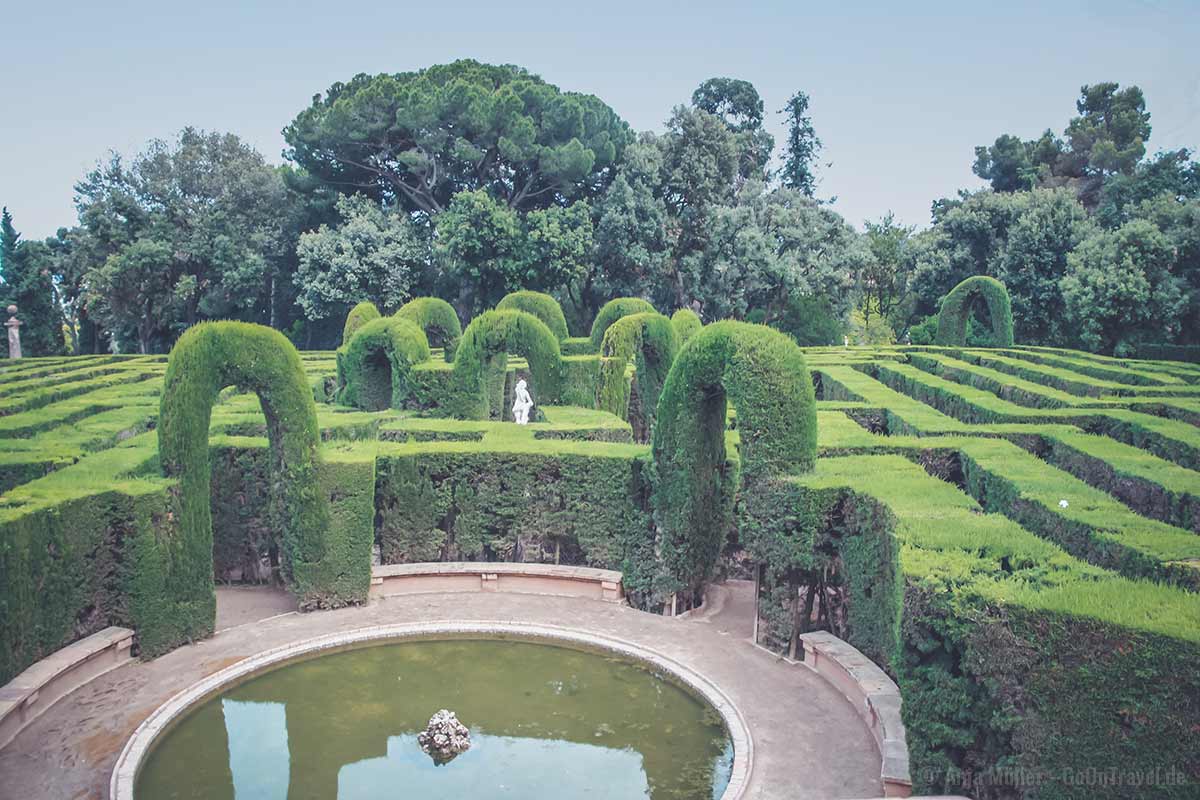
x,y
480,364
612,311
1170,352
541,305
686,323
650,339
764,376
375,366
65,572
956,311
173,599
360,315
437,319
546,507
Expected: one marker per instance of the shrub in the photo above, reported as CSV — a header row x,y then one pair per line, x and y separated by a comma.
x,y
481,356
652,340
764,375
686,323
810,321
956,311
375,365
360,315
541,305
437,319
612,311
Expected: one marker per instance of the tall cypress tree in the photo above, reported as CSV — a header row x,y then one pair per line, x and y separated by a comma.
x,y
31,288
9,239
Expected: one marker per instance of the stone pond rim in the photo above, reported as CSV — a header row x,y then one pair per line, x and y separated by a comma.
x,y
141,744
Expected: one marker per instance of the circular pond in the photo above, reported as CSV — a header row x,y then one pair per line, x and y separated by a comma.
x,y
547,719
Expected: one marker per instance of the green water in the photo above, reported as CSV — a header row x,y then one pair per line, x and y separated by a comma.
x,y
546,722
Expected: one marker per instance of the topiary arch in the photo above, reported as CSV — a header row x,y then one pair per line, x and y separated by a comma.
x,y
612,311
541,305
172,597
437,319
482,353
651,339
376,363
686,323
360,315
763,374
956,310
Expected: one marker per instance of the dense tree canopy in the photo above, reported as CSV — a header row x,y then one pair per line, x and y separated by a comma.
x,y
374,255
206,215
419,138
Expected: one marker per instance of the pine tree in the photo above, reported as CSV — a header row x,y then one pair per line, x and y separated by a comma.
x,y
799,169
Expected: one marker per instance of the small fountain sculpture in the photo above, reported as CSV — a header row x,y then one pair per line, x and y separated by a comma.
x,y
445,737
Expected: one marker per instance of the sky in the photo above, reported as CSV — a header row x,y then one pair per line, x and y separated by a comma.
x,y
901,93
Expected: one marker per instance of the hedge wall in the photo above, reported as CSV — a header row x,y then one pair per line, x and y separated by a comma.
x,y
956,311
764,376
541,305
612,311
474,504
686,323
480,364
360,315
68,571
650,339
437,319
375,365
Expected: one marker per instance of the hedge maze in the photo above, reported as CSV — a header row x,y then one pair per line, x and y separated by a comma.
x,y
1012,533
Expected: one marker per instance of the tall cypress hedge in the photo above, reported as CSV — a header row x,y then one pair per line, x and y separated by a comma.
x,y
686,323
763,374
375,365
360,315
956,311
541,305
650,339
437,319
612,311
172,599
485,342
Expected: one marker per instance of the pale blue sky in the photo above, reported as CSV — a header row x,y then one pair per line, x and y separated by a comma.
x,y
901,92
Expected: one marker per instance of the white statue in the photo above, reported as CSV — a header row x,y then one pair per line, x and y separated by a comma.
x,y
522,402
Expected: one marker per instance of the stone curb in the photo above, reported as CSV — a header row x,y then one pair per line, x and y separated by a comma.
x,y
140,744
34,691
875,697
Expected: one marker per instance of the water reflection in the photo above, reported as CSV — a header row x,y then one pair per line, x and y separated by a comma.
x,y
258,749
497,766
546,722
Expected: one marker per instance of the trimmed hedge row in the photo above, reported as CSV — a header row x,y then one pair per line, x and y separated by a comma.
x,y
652,342
375,366
764,376
612,311
956,311
437,319
1010,655
686,323
360,315
479,363
173,600
541,305
542,507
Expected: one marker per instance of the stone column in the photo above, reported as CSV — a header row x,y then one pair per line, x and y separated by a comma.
x,y
14,333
